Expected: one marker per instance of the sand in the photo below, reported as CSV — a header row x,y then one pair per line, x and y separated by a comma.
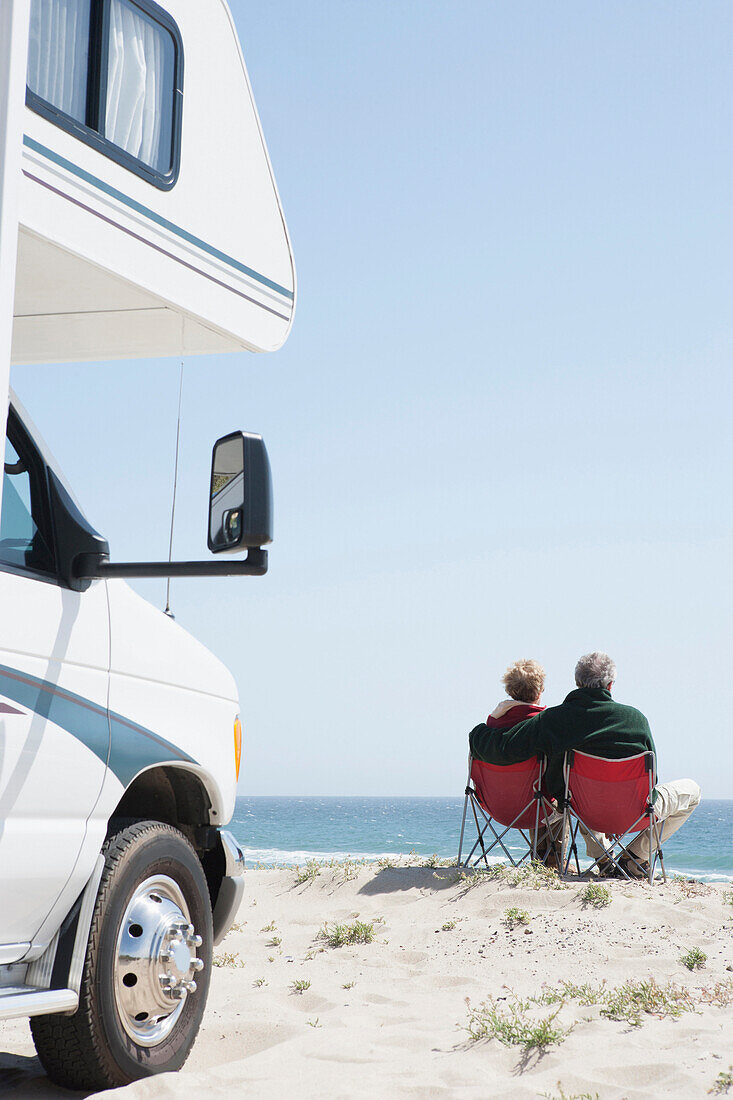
x,y
388,1018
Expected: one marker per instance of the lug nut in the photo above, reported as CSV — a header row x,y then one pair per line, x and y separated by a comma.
x,y
194,941
190,987
197,964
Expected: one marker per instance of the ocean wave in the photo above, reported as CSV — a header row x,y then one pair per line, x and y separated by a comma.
x,y
280,857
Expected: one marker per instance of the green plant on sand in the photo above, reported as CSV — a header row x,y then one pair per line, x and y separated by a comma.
x,y
633,999
338,935
596,895
694,959
228,958
515,916
723,1082
532,876
512,1027
309,873
562,1095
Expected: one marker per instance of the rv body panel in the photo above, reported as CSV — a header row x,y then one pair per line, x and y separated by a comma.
x,y
54,676
163,680
212,250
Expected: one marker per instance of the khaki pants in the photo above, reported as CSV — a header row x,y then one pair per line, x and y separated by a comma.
x,y
550,832
673,805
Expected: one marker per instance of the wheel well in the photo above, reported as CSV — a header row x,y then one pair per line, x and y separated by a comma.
x,y
171,795
176,797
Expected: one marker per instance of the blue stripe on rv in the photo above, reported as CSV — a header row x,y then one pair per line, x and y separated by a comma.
x,y
133,747
138,207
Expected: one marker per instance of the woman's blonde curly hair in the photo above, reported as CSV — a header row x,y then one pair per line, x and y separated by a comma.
x,y
524,681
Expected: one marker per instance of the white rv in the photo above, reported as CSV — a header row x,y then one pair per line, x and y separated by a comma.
x,y
119,733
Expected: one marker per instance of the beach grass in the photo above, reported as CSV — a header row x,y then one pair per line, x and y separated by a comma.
x,y
339,935
514,916
309,873
596,896
694,959
478,876
719,995
584,994
512,1026
229,959
537,876
532,876
636,998
562,1095
515,1024
723,1083
691,887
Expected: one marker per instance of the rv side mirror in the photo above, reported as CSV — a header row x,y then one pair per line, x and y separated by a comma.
x,y
240,504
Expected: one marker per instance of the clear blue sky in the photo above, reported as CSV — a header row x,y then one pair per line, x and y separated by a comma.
x,y
501,425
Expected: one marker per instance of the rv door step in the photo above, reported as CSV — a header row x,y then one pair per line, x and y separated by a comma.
x,y
24,1000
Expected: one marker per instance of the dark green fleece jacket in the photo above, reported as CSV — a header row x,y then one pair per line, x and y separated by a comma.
x,y
588,719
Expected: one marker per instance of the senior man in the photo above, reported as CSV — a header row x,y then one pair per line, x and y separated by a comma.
x,y
589,719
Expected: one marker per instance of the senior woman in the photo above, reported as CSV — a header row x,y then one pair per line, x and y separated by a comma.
x,y
589,719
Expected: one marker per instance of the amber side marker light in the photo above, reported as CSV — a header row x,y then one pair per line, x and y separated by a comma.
x,y
237,744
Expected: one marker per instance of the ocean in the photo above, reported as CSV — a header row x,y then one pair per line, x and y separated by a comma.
x,y
288,831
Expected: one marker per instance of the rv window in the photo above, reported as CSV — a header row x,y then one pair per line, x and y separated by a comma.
x,y
23,517
140,85
58,54
111,73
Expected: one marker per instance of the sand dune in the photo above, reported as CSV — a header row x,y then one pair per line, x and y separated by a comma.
x,y
388,1018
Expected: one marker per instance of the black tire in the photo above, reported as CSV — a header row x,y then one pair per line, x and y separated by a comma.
x,y
91,1049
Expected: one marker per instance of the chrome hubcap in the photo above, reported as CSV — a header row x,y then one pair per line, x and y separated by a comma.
x,y
155,960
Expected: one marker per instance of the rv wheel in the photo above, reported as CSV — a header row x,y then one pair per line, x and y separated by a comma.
x,y
147,967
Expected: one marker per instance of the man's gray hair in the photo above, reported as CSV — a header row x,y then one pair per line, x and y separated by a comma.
x,y
595,670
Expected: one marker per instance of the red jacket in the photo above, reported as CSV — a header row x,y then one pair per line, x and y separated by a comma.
x,y
515,714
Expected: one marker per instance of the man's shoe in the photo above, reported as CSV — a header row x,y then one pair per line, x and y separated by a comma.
x,y
608,869
635,868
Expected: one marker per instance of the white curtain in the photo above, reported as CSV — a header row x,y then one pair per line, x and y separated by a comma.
x,y
58,54
139,85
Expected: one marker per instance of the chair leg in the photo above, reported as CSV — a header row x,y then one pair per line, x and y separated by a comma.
x,y
463,826
658,854
480,832
564,863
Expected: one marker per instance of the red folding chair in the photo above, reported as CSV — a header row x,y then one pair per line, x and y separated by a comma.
x,y
612,798
510,796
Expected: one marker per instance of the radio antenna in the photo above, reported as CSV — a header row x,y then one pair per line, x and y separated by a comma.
x,y
175,486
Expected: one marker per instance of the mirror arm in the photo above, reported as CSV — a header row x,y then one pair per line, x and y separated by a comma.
x,y
98,565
